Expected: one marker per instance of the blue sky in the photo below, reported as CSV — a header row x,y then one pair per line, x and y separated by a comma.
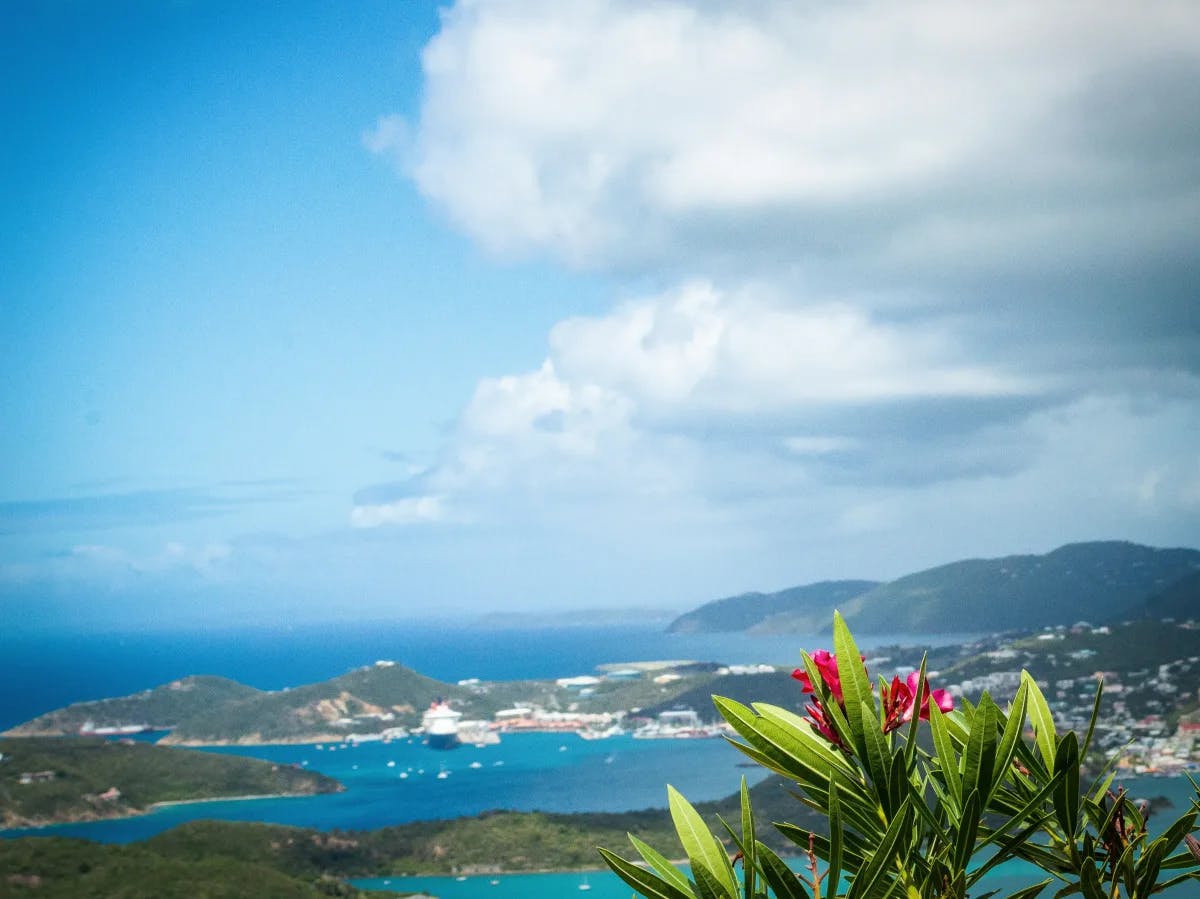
x,y
386,310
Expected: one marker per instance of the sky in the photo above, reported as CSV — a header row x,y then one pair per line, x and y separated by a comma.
x,y
390,309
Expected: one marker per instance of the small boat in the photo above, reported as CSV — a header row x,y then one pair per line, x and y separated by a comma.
x,y
585,885
476,764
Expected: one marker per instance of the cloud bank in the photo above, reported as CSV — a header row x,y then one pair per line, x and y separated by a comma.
x,y
924,275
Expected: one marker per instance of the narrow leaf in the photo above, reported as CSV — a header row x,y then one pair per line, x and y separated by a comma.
x,y
661,864
1042,720
779,876
649,885
705,852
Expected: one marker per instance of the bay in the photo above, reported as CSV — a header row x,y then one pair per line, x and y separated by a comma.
x,y
525,772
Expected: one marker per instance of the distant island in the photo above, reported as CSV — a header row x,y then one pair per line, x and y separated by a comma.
x,y
1099,582
53,781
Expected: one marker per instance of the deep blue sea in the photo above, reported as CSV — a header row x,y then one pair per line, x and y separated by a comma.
x,y
44,671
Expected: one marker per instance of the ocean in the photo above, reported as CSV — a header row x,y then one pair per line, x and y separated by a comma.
x,y
44,671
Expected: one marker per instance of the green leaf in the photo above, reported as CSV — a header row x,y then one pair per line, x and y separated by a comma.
x,y
649,885
1066,796
1013,725
1030,892
1042,720
749,844
1148,866
881,861
836,836
661,864
1095,716
980,754
856,688
779,876
704,851
968,826
946,756
910,739
1089,880
877,756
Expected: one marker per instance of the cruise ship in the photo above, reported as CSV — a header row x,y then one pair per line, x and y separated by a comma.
x,y
441,725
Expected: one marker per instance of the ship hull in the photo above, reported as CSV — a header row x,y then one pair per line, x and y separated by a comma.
x,y
443,741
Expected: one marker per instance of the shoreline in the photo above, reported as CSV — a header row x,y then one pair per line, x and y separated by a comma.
x,y
150,810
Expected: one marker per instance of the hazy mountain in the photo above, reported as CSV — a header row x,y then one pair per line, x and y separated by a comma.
x,y
1180,600
798,609
1081,581
1095,582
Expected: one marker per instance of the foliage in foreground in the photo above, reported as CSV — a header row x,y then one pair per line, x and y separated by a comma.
x,y
905,821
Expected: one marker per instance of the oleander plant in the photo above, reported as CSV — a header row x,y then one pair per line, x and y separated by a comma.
x,y
922,800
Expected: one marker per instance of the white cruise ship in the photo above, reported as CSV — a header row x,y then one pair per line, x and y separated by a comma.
x,y
441,725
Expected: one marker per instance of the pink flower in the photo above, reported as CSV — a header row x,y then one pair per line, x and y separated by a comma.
x,y
821,724
899,701
826,665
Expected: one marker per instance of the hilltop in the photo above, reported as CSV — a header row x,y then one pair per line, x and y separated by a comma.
x,y
805,609
158,709
1097,582
46,780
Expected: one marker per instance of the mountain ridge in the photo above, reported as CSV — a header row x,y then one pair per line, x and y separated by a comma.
x,y
1095,581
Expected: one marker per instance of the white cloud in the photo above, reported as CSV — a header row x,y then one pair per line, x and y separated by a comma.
x,y
933,264
412,510
613,131
739,351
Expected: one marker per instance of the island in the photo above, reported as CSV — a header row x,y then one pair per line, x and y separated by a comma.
x,y
47,780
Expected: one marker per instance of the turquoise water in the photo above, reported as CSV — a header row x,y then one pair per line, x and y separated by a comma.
x,y
547,772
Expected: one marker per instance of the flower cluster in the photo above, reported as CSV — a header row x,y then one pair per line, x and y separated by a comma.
x,y
899,699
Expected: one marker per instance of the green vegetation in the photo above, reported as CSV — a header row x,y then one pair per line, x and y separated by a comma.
x,y
1180,600
795,610
919,819
86,778
1097,582
55,868
159,709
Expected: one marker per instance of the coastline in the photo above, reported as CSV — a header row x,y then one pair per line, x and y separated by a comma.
x,y
39,824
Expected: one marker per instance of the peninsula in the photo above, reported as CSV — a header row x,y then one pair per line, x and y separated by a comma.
x,y
58,780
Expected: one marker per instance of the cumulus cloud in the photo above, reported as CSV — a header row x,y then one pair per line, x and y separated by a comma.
x,y
891,141
910,262
634,400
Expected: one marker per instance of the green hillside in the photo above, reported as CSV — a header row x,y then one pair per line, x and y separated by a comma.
x,y
1093,582
1180,600
160,708
806,609
1098,582
85,778
57,868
